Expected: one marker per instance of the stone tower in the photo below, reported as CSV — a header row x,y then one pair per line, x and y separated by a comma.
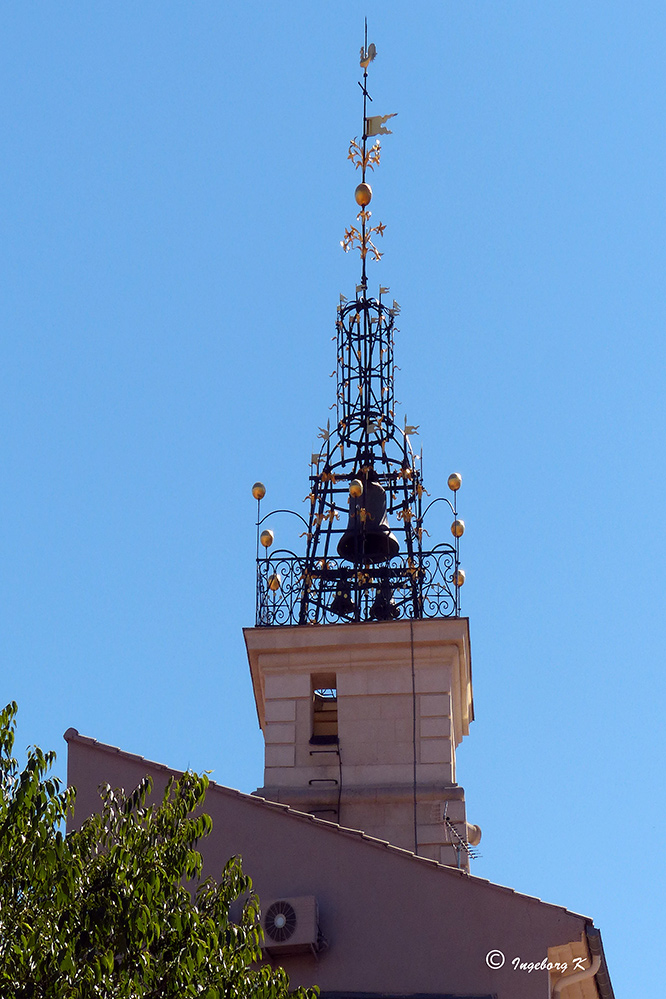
x,y
360,658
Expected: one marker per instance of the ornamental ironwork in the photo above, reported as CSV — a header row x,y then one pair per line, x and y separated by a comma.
x,y
365,558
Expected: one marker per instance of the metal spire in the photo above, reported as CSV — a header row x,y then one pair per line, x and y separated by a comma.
x,y
366,160
364,557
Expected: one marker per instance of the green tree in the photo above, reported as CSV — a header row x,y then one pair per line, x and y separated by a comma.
x,y
106,912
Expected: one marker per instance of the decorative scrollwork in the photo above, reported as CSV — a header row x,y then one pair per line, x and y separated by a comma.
x,y
364,158
331,591
361,237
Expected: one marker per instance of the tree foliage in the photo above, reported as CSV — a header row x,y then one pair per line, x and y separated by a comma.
x,y
106,912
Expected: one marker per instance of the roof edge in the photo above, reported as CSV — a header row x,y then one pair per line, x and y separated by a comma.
x,y
602,977
72,735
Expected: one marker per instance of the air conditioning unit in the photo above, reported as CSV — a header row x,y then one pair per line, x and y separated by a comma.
x,y
291,925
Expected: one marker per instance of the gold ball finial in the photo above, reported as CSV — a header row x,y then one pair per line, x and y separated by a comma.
x,y
363,194
274,582
459,577
455,481
356,488
267,538
458,528
258,490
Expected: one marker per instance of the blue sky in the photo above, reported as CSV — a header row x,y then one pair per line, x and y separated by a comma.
x,y
175,189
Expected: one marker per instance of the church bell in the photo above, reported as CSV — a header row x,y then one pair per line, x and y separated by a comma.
x,y
384,607
368,537
343,605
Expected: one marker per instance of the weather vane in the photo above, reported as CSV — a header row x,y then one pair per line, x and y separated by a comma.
x,y
376,566
366,159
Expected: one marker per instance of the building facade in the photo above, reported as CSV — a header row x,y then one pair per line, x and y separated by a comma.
x,y
358,841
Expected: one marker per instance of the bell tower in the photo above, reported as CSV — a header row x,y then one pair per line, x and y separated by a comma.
x,y
360,658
